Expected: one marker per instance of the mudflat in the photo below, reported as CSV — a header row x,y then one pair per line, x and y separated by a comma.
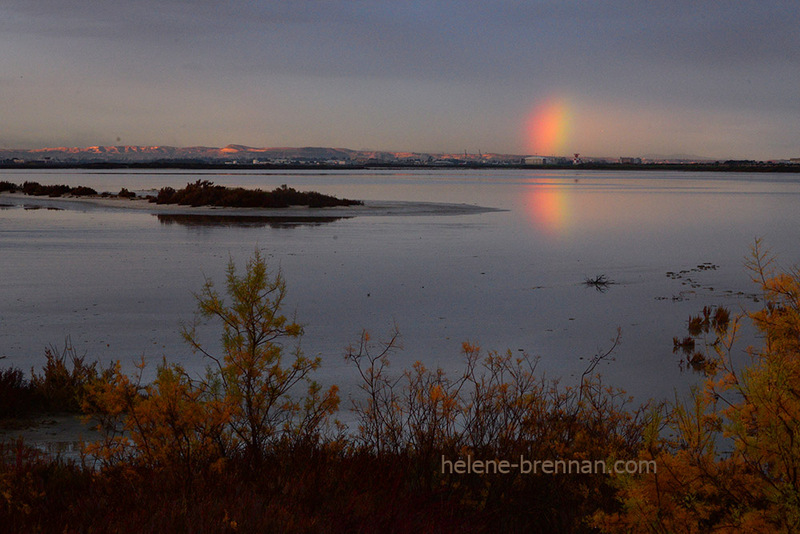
x,y
370,208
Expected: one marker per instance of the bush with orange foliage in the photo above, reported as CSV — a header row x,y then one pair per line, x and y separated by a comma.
x,y
246,403
498,408
731,462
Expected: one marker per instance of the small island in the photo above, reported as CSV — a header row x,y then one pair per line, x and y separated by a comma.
x,y
203,198
205,193
199,193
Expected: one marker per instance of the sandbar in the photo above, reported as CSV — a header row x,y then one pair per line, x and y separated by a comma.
x,y
371,208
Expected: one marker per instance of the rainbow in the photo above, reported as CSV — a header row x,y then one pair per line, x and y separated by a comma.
x,y
547,127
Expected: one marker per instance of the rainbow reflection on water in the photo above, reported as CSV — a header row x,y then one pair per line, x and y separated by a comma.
x,y
547,204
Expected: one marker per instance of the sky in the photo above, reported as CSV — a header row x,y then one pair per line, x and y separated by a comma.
x,y
712,78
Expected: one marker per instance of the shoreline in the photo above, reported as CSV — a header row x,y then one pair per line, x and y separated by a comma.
x,y
54,434
371,208
689,166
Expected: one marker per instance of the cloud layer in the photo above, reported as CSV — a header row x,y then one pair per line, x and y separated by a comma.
x,y
717,79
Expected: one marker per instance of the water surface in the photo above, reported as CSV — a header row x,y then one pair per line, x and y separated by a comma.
x,y
119,283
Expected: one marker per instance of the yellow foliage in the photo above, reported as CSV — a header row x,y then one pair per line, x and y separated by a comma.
x,y
497,407
733,462
245,403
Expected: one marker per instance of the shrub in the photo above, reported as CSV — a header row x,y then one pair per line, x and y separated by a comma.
x,y
169,425
247,403
31,188
15,394
37,189
250,378
82,191
165,195
498,408
731,462
63,382
8,186
205,193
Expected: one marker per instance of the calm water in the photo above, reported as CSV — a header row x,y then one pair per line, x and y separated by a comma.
x,y
120,283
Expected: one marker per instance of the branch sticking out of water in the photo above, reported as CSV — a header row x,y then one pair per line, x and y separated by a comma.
x,y
599,282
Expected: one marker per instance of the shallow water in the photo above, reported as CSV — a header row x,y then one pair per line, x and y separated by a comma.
x,y
119,283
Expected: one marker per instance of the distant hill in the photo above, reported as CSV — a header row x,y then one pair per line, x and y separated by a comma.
x,y
678,158
234,154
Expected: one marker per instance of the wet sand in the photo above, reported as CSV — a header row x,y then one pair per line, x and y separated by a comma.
x,y
370,208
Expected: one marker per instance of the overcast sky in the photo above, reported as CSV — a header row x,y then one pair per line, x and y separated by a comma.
x,y
710,78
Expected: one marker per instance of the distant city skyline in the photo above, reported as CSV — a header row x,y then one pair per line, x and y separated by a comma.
x,y
615,78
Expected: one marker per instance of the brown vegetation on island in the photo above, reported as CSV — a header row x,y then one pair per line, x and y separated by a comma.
x,y
39,190
199,193
253,445
205,193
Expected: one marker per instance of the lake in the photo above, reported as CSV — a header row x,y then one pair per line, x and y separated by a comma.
x,y
119,283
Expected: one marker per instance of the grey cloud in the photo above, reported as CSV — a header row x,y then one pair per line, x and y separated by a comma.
x,y
432,40
680,54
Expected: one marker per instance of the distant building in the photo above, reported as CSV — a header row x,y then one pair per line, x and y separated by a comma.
x,y
794,161
535,160
545,160
630,161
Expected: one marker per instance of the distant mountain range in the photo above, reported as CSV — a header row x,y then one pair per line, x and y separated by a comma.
x,y
290,156
232,153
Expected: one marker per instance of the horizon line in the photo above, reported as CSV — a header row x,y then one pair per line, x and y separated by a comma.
x,y
234,148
